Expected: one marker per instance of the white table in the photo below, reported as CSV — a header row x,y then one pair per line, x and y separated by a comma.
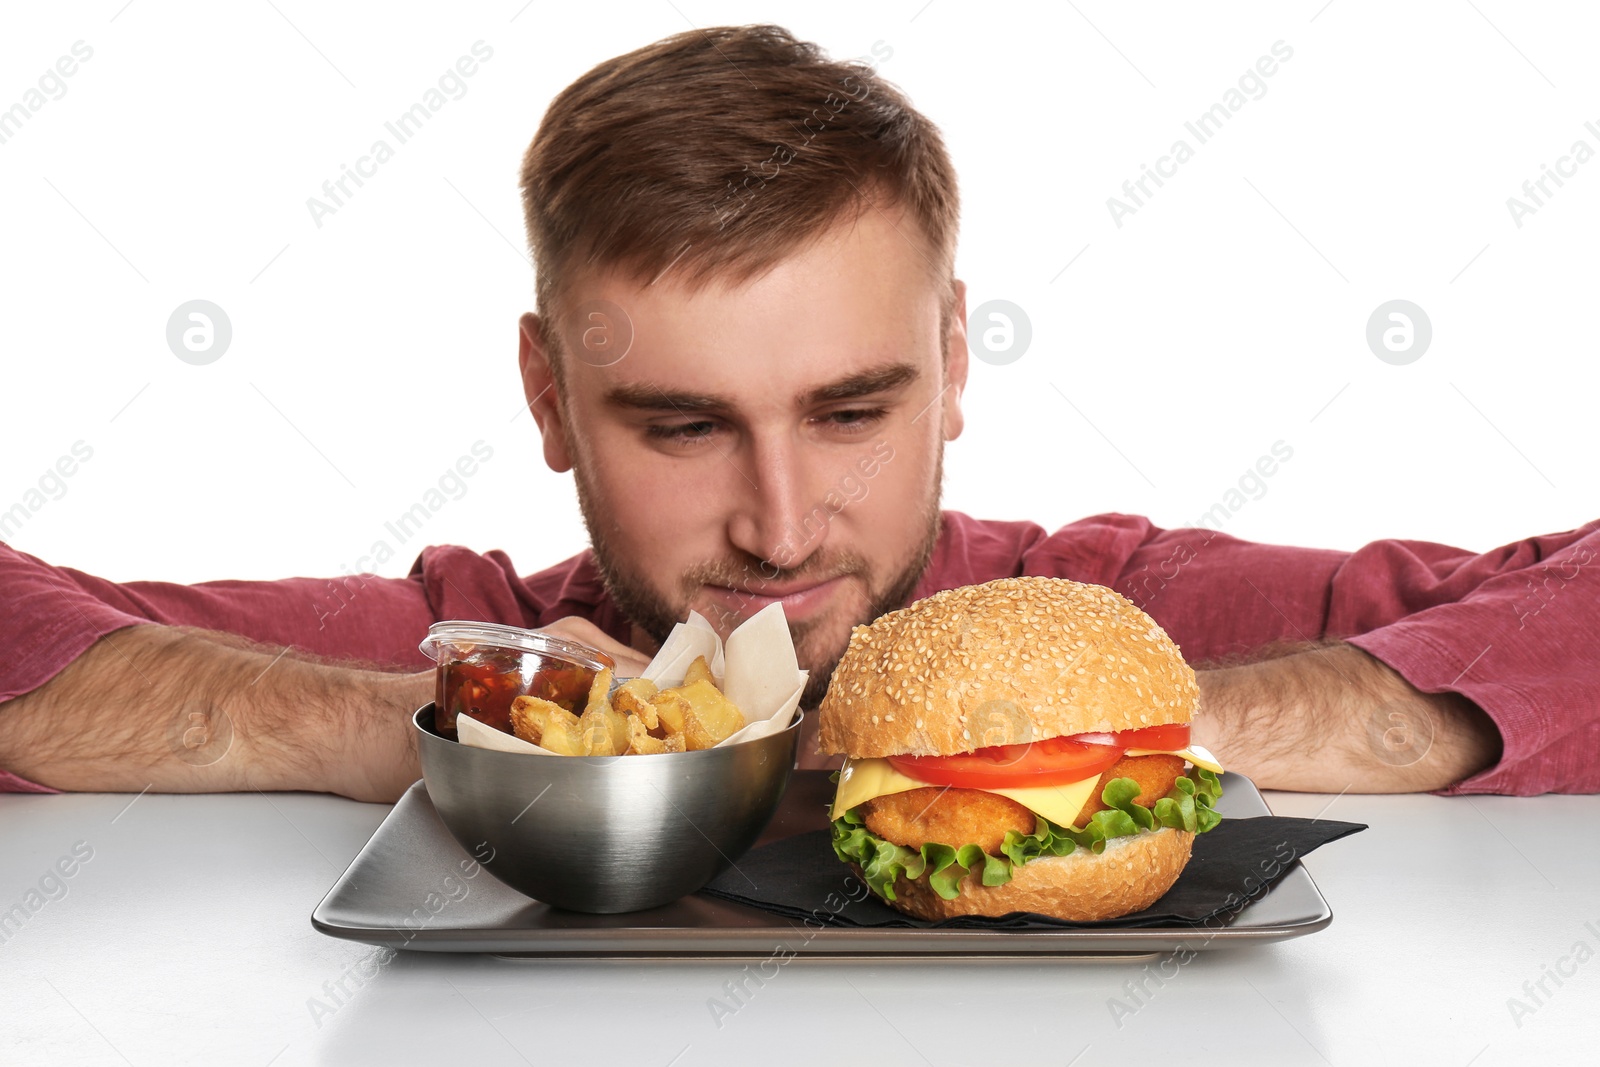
x,y
186,938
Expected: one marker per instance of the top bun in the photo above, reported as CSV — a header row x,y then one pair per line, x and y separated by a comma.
x,y
1006,662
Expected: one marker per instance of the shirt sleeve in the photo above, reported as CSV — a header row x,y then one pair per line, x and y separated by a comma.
x,y
51,615
1511,629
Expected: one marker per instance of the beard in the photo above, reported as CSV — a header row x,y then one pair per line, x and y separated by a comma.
x,y
819,642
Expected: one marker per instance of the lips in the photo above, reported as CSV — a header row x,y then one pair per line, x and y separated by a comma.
x,y
799,600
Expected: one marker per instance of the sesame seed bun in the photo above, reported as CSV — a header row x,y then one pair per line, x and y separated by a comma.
x,y
1006,662
1130,875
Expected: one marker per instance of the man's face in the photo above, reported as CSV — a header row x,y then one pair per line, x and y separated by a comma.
x,y
775,441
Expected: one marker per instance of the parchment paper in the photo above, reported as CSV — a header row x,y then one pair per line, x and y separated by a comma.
x,y
756,669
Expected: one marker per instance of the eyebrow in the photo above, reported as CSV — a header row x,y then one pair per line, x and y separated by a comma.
x,y
643,396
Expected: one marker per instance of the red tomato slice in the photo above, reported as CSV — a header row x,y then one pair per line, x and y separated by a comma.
x,y
1055,761
1169,737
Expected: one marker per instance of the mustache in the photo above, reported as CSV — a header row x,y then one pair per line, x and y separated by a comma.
x,y
752,573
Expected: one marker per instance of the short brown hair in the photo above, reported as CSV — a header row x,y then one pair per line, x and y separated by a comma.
x,y
718,152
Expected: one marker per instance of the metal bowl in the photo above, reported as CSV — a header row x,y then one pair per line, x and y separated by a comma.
x,y
605,834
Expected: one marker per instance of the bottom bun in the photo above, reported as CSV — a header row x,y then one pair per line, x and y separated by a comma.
x,y
1131,874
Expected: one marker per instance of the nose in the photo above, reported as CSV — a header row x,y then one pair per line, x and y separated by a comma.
x,y
775,517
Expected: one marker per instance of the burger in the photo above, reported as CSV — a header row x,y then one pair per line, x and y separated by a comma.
x,y
1017,746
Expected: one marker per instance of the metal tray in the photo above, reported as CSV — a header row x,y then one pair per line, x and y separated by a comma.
x,y
407,889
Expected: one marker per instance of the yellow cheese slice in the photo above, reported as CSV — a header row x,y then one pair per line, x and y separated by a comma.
x,y
862,780
1061,804
1194,754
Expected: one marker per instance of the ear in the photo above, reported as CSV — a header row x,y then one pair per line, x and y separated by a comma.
x,y
539,387
956,361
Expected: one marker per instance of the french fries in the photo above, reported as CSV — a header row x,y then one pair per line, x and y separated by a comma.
x,y
547,724
710,716
699,671
639,740
633,698
673,711
638,720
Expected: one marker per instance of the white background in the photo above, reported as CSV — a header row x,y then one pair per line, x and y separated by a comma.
x,y
1226,314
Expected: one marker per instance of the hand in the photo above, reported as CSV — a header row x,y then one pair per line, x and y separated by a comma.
x,y
629,661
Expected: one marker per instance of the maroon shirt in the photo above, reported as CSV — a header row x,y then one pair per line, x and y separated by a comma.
x,y
1513,629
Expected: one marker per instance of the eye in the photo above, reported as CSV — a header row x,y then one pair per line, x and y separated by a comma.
x,y
680,432
854,420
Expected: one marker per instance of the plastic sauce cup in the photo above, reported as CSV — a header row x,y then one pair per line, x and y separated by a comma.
x,y
483,667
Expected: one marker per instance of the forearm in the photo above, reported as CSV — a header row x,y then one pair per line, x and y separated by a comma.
x,y
185,711
1334,719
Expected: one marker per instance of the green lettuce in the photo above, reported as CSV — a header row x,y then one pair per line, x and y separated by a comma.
x,y
1189,805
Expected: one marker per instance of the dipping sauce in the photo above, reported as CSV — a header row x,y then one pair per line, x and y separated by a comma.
x,y
483,667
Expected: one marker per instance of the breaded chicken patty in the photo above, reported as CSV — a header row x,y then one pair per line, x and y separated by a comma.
x,y
1155,775
953,817
957,817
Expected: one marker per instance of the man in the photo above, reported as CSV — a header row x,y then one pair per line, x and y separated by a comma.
x,y
750,351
